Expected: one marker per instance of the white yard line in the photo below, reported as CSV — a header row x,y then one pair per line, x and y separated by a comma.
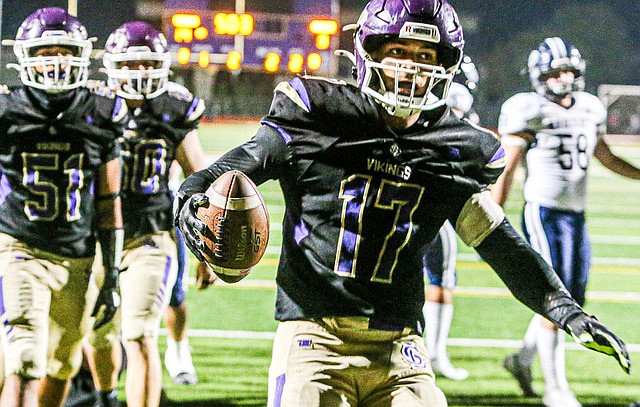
x,y
462,342
492,292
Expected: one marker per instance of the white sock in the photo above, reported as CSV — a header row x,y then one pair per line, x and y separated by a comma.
x,y
184,345
547,349
431,313
446,315
561,365
171,344
528,351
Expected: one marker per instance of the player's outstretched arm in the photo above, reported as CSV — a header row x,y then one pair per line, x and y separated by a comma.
x,y
534,283
614,163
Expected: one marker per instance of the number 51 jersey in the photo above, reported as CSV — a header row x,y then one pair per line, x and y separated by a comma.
x,y
49,159
560,147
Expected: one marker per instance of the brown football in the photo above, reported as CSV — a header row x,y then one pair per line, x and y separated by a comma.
x,y
238,226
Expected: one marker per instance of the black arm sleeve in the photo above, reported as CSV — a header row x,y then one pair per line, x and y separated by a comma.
x,y
527,275
261,158
111,244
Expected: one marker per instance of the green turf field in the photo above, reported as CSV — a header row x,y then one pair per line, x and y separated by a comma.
x,y
488,323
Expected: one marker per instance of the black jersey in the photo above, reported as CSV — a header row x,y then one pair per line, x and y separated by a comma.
x,y
50,149
361,199
149,145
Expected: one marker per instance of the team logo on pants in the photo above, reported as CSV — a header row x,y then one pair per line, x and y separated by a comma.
x,y
411,355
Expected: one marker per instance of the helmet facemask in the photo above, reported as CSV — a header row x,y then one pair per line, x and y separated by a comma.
x,y
437,78
137,83
59,73
397,101
562,89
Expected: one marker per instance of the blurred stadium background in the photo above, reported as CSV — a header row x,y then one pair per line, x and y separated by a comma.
x,y
232,53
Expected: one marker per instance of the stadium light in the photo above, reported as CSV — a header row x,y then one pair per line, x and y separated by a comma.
x,y
314,61
182,20
323,41
234,60
232,24
182,34
204,59
272,62
246,24
326,27
201,33
296,61
184,55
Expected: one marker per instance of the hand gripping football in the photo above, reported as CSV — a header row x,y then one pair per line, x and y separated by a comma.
x,y
238,226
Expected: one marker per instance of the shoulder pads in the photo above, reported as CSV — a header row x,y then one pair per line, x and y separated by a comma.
x,y
592,104
322,78
177,91
517,111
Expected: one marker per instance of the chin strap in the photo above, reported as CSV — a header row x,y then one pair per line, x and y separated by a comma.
x,y
405,112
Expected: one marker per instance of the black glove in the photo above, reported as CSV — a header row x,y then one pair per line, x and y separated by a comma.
x,y
191,227
108,299
588,332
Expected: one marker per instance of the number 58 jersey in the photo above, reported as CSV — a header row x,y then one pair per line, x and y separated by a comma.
x,y
560,143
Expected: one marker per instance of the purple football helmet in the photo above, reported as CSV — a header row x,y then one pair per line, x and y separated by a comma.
x,y
49,27
555,54
432,21
132,42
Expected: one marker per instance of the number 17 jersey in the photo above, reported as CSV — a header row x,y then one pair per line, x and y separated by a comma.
x,y
560,148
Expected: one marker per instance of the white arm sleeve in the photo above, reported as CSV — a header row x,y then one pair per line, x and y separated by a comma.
x,y
478,218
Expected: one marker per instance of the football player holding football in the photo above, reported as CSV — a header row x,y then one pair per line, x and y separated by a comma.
x,y
60,188
557,128
440,256
161,127
369,174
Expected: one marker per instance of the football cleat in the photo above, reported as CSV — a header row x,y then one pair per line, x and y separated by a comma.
x,y
521,373
635,404
184,379
443,366
557,397
179,364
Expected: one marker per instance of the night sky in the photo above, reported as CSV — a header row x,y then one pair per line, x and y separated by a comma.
x,y
510,16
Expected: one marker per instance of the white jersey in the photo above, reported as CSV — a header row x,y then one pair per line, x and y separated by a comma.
x,y
565,139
